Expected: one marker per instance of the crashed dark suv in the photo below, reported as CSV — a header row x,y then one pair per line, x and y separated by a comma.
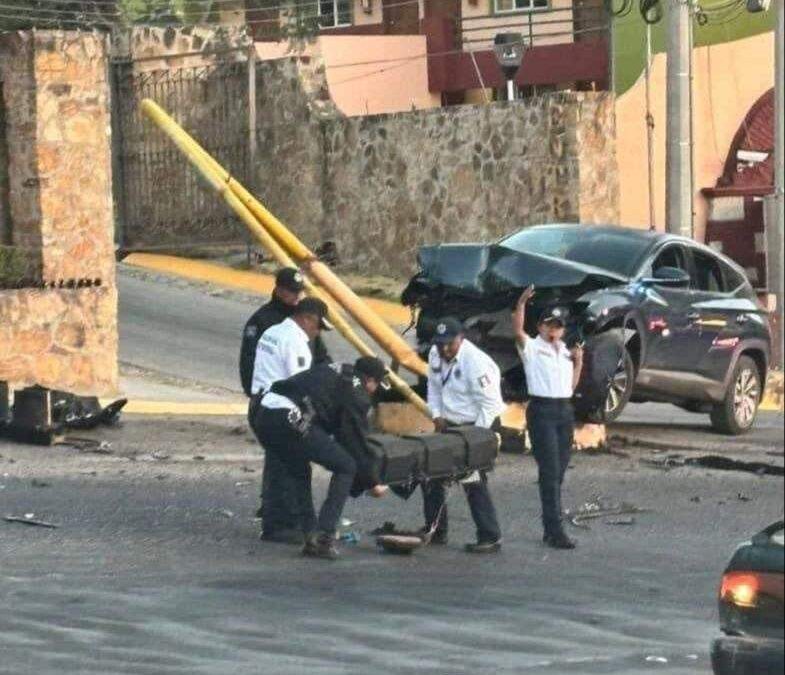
x,y
663,318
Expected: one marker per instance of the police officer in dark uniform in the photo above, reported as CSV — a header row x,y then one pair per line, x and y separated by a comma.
x,y
321,416
277,504
289,287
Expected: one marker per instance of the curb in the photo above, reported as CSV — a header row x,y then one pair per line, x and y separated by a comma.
x,y
185,409
250,282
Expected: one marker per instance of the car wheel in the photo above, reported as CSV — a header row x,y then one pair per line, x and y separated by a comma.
x,y
736,415
621,388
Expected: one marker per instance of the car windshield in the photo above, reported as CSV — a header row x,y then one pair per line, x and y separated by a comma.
x,y
616,252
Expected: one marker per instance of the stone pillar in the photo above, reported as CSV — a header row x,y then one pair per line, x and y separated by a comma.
x,y
60,203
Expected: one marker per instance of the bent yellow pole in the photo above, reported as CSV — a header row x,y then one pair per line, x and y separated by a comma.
x,y
392,343
175,133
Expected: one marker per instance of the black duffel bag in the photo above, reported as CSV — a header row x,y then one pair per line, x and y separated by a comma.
x,y
481,446
398,461
444,457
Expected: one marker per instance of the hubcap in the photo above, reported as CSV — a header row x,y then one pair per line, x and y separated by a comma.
x,y
746,397
618,389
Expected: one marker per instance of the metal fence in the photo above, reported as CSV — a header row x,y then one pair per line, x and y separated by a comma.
x,y
161,201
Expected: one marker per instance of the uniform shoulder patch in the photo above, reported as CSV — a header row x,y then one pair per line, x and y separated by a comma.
x,y
301,361
484,381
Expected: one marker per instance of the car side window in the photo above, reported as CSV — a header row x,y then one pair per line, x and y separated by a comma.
x,y
733,278
671,256
707,276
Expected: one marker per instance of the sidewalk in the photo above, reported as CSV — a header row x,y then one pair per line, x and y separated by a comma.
x,y
250,282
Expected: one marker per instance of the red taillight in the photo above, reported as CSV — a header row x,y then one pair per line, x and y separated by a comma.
x,y
740,588
745,589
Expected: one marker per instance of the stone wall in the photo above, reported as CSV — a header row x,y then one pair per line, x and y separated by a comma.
x,y
61,339
58,129
381,186
465,174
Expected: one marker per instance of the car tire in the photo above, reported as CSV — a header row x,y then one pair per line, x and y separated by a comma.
x,y
736,415
621,388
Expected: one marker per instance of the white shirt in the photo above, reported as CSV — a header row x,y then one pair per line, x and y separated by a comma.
x,y
273,401
466,390
549,368
282,352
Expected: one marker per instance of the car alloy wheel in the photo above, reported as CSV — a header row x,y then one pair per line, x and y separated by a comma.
x,y
746,397
618,390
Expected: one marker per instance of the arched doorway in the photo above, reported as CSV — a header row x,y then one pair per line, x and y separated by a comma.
x,y
736,203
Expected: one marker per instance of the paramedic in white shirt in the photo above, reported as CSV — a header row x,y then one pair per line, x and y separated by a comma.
x,y
284,350
552,373
464,388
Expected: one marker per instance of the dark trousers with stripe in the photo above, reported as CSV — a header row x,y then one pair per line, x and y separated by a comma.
x,y
551,425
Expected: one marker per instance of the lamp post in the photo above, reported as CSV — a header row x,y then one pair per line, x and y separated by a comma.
x,y
509,49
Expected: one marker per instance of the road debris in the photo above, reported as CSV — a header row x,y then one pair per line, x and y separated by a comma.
x,y
30,520
621,521
717,462
226,513
743,497
36,483
88,445
602,509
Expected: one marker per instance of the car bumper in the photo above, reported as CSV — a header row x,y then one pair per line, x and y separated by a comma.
x,y
747,656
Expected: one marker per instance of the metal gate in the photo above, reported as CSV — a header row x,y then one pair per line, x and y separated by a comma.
x,y
161,201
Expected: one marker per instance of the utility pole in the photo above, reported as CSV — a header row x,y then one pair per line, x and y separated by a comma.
x,y
679,189
775,226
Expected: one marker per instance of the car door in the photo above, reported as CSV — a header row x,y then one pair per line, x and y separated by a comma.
x,y
723,312
668,315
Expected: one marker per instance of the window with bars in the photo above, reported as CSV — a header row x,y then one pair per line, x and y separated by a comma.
x,y
335,13
505,6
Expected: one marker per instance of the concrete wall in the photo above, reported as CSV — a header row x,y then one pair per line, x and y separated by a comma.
x,y
380,186
728,79
56,94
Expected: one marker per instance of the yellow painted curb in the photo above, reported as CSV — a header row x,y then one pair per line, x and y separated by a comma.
x,y
251,282
774,398
185,409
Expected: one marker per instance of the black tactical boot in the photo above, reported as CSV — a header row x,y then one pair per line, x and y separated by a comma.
x,y
559,540
321,546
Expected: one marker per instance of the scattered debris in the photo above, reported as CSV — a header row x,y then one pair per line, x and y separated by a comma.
x,y
36,483
237,431
30,520
601,509
744,497
199,458
695,500
226,513
713,462
243,483
160,456
621,521
89,445
247,469
656,659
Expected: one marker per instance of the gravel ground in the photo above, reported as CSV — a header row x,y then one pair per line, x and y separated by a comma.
x,y
155,568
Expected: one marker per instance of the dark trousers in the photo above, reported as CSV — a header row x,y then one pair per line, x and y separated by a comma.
x,y
551,424
279,498
480,504
296,451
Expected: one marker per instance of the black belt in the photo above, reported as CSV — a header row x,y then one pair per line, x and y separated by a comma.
x,y
546,399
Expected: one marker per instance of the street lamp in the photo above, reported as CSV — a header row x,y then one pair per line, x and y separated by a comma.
x,y
509,49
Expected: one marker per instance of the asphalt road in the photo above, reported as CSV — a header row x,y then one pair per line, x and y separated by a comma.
x,y
176,329
155,569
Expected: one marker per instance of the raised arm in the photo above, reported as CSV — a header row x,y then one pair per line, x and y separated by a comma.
x,y
519,317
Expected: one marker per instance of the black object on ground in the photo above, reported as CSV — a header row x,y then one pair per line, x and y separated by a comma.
x,y
30,522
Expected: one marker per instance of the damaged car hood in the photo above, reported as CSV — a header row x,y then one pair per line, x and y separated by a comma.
x,y
477,269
